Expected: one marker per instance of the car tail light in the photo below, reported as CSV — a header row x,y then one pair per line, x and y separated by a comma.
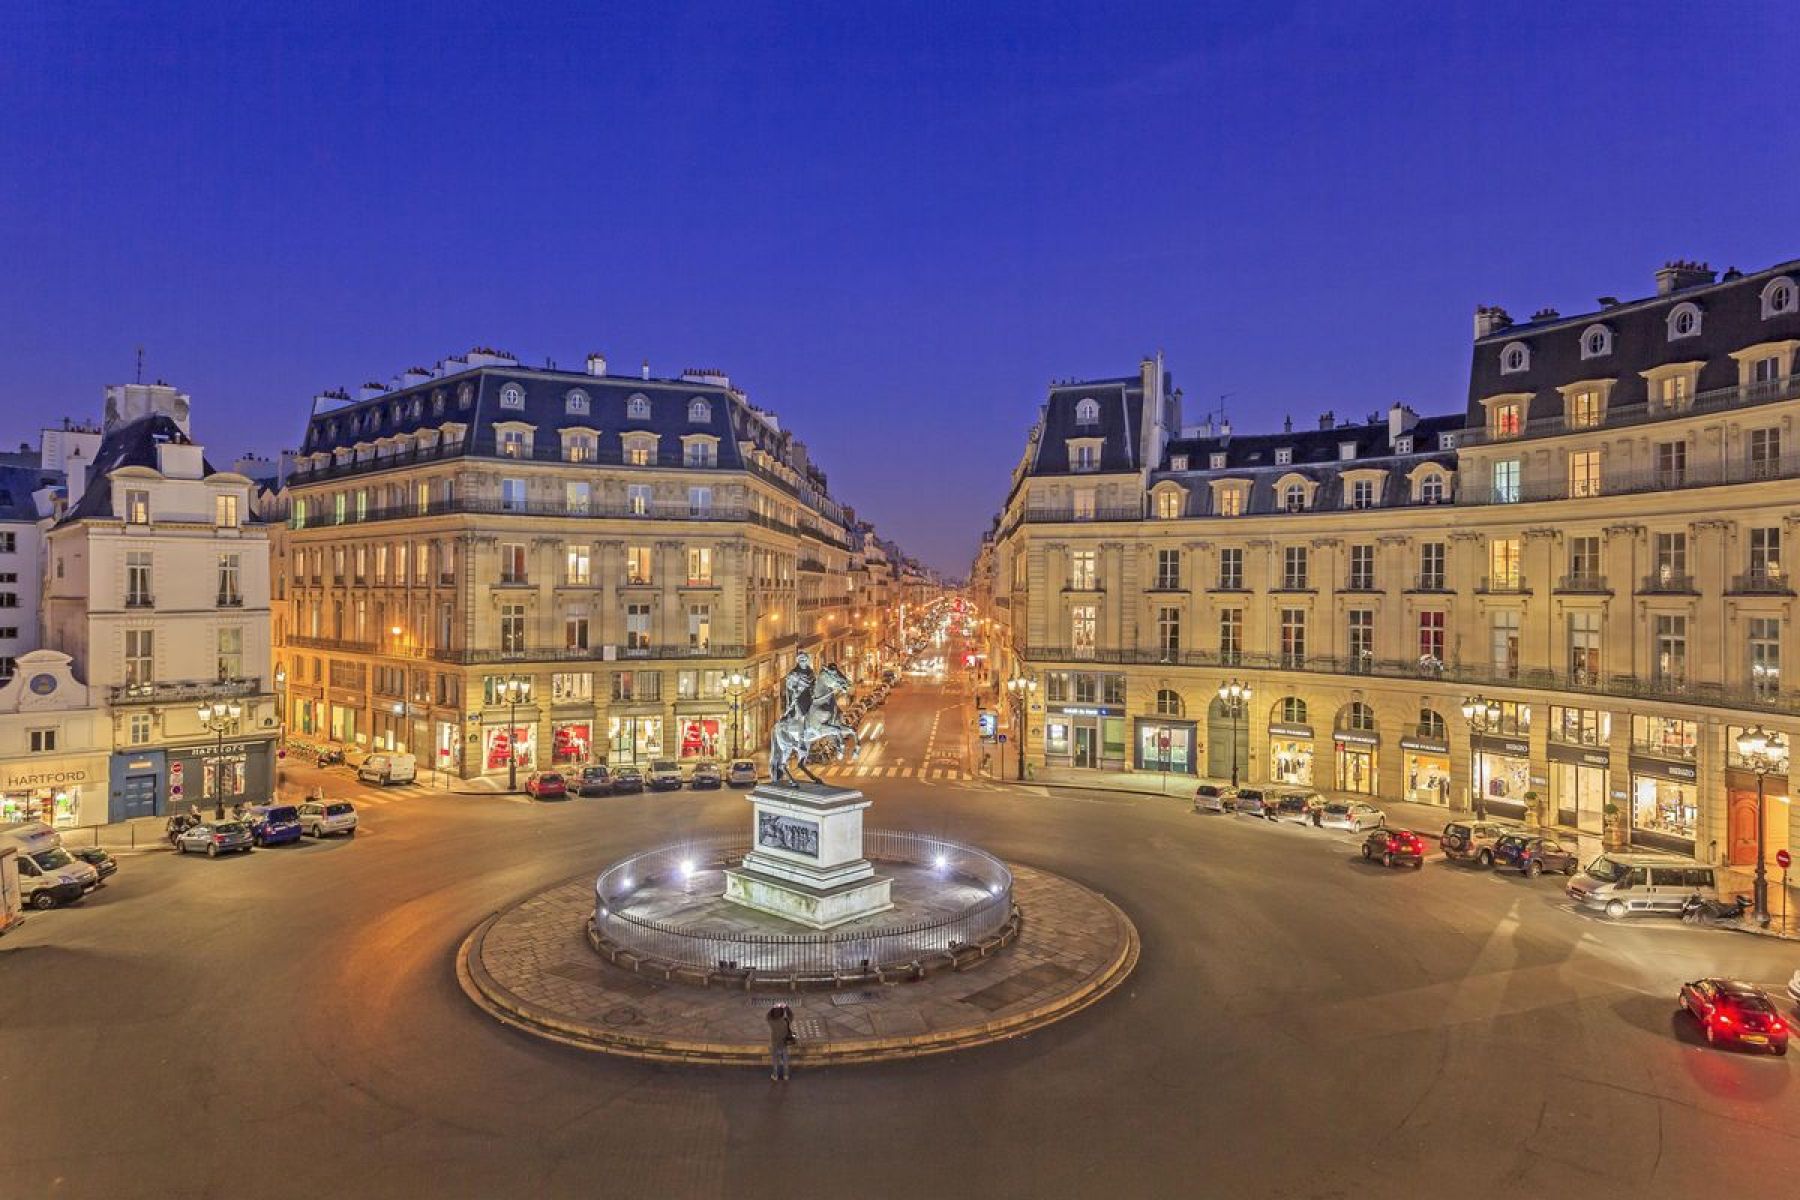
x,y
218,837
1722,1018
1776,1026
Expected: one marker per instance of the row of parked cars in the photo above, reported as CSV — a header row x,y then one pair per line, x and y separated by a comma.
x,y
259,825
663,775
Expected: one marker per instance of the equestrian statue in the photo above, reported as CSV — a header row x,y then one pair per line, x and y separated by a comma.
x,y
809,716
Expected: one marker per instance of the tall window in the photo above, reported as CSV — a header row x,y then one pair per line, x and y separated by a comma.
x,y
1765,453
1671,464
1362,567
140,657
1293,637
231,595
512,562
1584,409
513,444
512,495
1431,635
1293,497
1765,553
637,627
1231,500
1431,566
1505,420
1231,636
1506,481
137,506
1084,504
1672,392
1584,473
137,579
1584,560
512,628
1168,628
231,652
637,564
578,566
1584,647
1431,488
700,502
699,566
1503,564
1765,656
1168,504
1505,629
578,498
1082,570
225,510
1671,558
1293,567
1360,637
1087,457
1082,630
579,447
1669,653
699,454
1168,569
1362,493
637,499
575,629
1231,569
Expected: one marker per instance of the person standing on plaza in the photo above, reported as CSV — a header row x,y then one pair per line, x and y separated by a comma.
x,y
781,1037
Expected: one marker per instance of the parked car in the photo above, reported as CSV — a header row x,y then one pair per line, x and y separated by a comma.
x,y
385,768
1633,884
1353,815
96,857
321,818
1251,802
1473,841
1300,807
1534,855
546,785
1728,1010
741,773
1214,797
214,838
627,779
1392,846
273,824
664,775
705,775
596,780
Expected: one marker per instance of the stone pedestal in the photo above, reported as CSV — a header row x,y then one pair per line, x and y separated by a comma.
x,y
806,864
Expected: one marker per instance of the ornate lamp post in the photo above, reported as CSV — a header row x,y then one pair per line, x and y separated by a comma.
x,y
280,724
1764,753
1021,687
1236,694
1482,715
218,718
736,684
513,690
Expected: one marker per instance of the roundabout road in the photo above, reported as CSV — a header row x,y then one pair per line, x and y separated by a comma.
x,y
1299,1025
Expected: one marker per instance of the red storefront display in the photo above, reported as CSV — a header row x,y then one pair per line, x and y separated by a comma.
x,y
502,744
572,742
700,736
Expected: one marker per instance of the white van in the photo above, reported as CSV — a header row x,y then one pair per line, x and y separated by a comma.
x,y
1630,884
384,768
12,904
48,874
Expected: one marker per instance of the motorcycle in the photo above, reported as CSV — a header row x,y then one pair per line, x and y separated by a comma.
x,y
330,756
179,824
1696,911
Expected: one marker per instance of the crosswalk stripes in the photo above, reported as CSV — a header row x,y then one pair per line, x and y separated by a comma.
x,y
927,774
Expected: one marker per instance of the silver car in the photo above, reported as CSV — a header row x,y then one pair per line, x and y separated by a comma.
x,y
741,773
322,818
1353,815
214,838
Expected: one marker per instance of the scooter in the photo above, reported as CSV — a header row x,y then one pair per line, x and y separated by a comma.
x,y
1696,911
179,823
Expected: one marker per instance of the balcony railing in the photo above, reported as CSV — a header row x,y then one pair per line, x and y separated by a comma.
x,y
323,643
1667,584
181,691
1503,585
1593,585
1712,400
1762,583
1430,583
605,653
140,600
1680,688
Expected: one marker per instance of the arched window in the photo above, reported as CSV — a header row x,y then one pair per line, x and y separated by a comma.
x,y
699,411
576,404
1515,358
1168,702
512,396
637,407
1431,487
1357,716
1778,297
1684,321
1291,711
1293,497
1596,341
1431,725
1087,411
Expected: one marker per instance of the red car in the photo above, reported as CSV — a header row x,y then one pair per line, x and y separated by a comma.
x,y
546,785
1730,1011
1393,846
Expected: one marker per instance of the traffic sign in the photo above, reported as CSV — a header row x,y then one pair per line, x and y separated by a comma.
x,y
175,769
1783,858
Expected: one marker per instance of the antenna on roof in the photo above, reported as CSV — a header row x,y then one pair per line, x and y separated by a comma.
x,y
140,364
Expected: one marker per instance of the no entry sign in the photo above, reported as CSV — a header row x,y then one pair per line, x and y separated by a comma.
x,y
1783,858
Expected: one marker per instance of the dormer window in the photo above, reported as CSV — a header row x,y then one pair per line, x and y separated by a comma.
x,y
437,404
1403,444
465,394
1446,441
1346,451
640,449
576,404
699,411
1216,460
1293,498
1432,488
1087,411
1084,454
1596,341
1169,503
1178,462
1684,321
1506,414
512,396
637,407
1515,358
1362,493
1284,455
1778,297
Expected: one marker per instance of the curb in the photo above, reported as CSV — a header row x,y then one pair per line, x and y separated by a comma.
x,y
496,1001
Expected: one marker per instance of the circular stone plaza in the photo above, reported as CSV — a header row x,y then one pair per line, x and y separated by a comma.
x,y
884,944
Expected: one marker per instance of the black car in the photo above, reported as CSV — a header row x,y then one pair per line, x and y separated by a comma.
x,y
627,779
595,781
98,859
1534,855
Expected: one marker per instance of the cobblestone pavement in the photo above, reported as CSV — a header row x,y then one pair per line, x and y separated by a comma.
x,y
531,966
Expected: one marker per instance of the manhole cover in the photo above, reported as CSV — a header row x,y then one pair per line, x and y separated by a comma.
x,y
808,1027
622,1014
843,998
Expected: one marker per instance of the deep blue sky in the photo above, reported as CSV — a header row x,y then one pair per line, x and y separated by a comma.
x,y
892,226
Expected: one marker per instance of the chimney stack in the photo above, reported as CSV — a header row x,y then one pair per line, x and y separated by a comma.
x,y
1490,319
1328,420
596,364
1680,274
646,368
1401,419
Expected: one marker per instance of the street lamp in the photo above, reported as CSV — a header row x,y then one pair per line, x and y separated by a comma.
x,y
736,684
281,723
1236,694
1762,752
515,687
218,718
1021,687
1482,715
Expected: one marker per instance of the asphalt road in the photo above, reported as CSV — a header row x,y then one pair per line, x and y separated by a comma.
x,y
1300,1025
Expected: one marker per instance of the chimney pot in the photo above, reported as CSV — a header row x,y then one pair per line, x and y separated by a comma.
x,y
1328,420
1680,274
596,364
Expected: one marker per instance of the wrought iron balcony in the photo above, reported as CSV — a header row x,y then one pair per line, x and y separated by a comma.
x,y
1593,585
1762,583
1667,583
197,691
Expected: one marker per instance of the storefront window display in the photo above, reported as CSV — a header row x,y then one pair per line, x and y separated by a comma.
x,y
518,745
700,736
1427,771
571,742
1502,777
1665,813
1665,737
1355,762
223,777
1291,760
58,807
1165,746
634,739
1578,791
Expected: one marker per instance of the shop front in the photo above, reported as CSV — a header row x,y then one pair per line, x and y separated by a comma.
x,y
1291,754
634,739
1578,783
1427,763
571,742
1665,804
701,735
346,725
216,774
61,792
505,746
1084,735
446,748
1502,776
1164,744
1355,752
